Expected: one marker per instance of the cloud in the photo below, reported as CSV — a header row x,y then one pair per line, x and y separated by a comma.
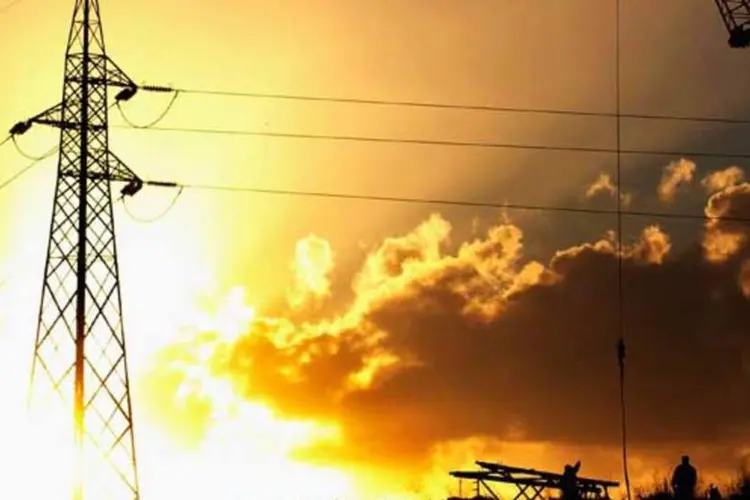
x,y
447,341
313,263
479,342
604,185
723,238
675,174
722,179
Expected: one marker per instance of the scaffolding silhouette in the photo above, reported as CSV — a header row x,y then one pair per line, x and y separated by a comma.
x,y
80,342
531,484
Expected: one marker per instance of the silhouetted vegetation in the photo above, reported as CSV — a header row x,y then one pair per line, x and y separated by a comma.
x,y
739,489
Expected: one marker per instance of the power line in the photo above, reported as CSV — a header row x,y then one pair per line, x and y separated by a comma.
x,y
406,200
9,5
429,142
26,155
151,124
157,217
462,107
26,169
620,264
435,201
395,199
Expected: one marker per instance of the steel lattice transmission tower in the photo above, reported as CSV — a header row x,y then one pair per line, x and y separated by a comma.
x,y
80,343
736,17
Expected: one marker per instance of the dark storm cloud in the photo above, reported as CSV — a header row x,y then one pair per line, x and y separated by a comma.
x,y
491,346
441,347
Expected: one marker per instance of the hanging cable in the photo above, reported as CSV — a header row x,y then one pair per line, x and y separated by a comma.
x,y
26,155
26,169
620,285
429,142
6,141
166,111
9,5
158,217
458,107
435,201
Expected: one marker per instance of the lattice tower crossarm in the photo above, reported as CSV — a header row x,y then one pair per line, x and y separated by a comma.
x,y
736,17
80,352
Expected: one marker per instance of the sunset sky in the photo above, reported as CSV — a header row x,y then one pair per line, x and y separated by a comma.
x,y
323,348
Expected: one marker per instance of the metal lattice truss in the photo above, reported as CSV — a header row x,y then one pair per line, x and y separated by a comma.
x,y
80,343
736,17
531,484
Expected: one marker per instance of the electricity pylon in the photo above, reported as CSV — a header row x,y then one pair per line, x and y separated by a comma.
x,y
80,341
736,17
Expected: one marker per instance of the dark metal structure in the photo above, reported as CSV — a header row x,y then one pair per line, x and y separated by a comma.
x,y
530,483
736,17
80,342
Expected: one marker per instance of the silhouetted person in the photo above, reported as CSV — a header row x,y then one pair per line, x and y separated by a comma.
x,y
569,481
714,493
684,480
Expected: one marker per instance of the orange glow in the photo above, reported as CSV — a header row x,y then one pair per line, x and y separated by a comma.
x,y
244,439
196,281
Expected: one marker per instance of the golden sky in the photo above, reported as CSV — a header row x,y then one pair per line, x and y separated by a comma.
x,y
341,349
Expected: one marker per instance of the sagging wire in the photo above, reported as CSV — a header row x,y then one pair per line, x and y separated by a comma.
x,y
9,5
6,141
163,115
23,153
24,170
459,107
161,215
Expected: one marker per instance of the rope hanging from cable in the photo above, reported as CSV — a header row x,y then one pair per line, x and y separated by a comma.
x,y
620,286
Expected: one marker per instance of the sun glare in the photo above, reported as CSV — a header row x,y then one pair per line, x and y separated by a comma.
x,y
171,303
245,446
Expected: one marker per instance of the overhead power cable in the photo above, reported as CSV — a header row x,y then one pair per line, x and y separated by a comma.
x,y
26,169
158,119
7,6
620,263
462,107
429,142
436,201
23,153
155,218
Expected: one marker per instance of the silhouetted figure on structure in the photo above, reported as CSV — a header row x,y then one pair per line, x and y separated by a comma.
x,y
714,493
684,480
569,482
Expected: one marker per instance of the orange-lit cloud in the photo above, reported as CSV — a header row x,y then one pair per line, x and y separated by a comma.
x,y
603,185
446,341
675,175
724,238
312,265
722,179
